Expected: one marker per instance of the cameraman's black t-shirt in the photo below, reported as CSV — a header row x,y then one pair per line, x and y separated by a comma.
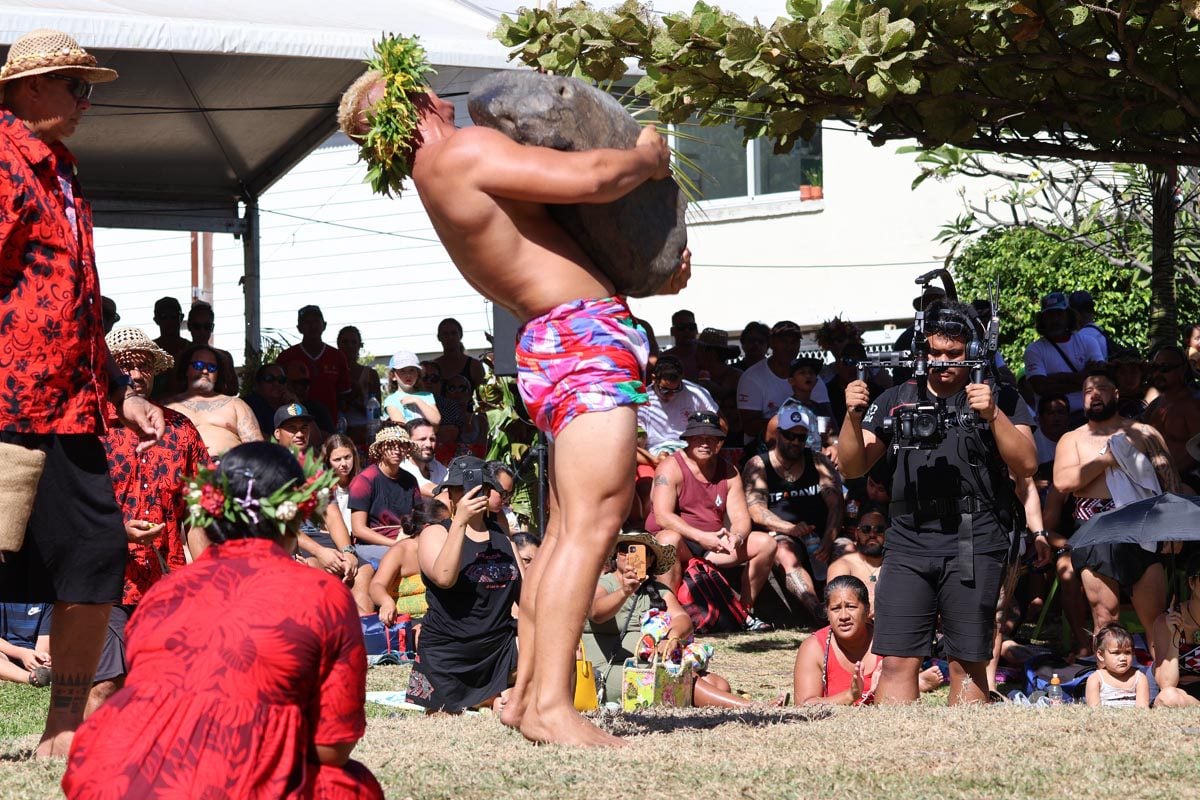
x,y
960,466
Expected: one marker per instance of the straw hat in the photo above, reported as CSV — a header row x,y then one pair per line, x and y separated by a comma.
x,y
664,554
45,50
126,340
395,433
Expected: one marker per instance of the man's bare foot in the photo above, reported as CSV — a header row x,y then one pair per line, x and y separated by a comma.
x,y
564,725
513,709
930,679
54,745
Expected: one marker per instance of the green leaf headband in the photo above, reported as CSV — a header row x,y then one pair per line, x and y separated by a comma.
x,y
210,498
388,145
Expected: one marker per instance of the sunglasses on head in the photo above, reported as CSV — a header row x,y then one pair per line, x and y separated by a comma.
x,y
78,87
204,366
872,528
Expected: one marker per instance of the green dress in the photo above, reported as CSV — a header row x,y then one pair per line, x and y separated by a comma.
x,y
603,644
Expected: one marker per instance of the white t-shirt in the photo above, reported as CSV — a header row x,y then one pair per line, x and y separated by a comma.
x,y
1041,358
1045,447
1090,331
664,418
761,390
437,471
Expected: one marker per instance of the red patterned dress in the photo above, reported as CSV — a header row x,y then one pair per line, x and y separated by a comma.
x,y
239,665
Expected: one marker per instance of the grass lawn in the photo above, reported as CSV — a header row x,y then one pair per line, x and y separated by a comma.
x,y
914,752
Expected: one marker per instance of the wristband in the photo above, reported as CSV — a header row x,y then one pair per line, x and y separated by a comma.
x,y
1036,534
350,549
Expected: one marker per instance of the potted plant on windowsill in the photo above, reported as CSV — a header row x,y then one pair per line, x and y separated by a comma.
x,y
811,188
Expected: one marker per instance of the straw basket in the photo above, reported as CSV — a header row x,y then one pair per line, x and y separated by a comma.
x,y
20,471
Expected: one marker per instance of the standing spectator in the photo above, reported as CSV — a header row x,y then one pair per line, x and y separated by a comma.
x,y
1057,362
694,491
299,390
1129,373
1175,412
1085,319
713,354
406,402
383,496
755,341
460,402
109,313
327,369
792,491
269,393
672,401
764,386
421,462
151,487
247,670
364,384
201,322
168,316
56,384
454,359
225,421
683,334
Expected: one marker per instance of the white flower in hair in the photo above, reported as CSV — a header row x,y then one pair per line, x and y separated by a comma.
x,y
287,511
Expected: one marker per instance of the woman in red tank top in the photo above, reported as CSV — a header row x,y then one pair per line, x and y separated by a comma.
x,y
835,665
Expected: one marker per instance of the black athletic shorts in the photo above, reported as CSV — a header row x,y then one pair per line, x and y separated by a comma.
x,y
1124,563
112,658
913,592
74,548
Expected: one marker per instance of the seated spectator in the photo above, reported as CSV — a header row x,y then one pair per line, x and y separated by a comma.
x,y
671,401
693,492
210,675
683,334
1117,681
843,372
1054,419
467,649
383,496
867,559
713,354
168,315
224,421
1057,362
1176,643
421,462
25,643
613,629
108,314
528,545
452,418
201,322
755,342
339,454
269,393
764,386
1191,341
397,587
835,666
792,491
1129,372
406,402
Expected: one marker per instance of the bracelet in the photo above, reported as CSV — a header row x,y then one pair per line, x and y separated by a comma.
x,y
350,549
1062,551
1036,534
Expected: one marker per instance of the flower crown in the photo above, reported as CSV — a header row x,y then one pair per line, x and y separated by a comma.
x,y
210,499
388,145
837,328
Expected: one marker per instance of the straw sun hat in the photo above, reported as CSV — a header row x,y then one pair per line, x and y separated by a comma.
x,y
395,433
44,50
664,554
127,340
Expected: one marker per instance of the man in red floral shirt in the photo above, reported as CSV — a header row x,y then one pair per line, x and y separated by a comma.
x,y
56,374
151,488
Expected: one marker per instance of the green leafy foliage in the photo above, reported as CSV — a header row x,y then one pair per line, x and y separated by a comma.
x,y
387,147
1029,263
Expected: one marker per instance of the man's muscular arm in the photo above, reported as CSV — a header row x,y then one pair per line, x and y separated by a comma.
x,y
1070,475
758,504
498,166
1151,442
247,424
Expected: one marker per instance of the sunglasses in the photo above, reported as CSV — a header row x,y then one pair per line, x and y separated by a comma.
x,y
204,366
872,528
664,390
280,379
78,87
794,437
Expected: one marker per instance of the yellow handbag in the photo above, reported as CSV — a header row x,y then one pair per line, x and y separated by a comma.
x,y
585,683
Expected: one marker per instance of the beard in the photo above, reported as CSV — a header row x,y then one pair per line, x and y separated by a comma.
x,y
872,550
1094,413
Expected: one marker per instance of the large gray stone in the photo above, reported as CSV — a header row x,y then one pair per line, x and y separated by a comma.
x,y
635,241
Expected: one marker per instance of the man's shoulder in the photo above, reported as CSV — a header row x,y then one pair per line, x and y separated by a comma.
x,y
701,395
290,354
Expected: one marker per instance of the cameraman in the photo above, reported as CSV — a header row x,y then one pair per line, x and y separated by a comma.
x,y
953,508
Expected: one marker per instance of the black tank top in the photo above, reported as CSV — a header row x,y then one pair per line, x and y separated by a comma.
x,y
478,606
796,501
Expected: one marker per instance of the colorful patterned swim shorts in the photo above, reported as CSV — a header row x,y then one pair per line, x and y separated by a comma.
x,y
580,357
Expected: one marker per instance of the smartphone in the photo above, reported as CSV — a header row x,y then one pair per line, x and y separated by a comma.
x,y
636,558
472,478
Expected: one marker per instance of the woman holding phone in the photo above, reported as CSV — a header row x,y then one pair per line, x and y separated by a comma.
x,y
613,629
468,644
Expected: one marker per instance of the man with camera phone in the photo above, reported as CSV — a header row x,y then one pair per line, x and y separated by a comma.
x,y
955,444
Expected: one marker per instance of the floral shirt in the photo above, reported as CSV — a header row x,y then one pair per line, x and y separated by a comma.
x,y
52,350
152,487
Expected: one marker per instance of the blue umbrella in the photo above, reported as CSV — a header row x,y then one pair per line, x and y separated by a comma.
x,y
1168,517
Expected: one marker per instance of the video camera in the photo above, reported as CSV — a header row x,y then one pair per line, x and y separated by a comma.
x,y
923,425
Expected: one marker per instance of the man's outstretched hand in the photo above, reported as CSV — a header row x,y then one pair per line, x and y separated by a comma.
x,y
657,146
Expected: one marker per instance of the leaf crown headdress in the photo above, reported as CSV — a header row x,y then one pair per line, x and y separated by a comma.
x,y
388,144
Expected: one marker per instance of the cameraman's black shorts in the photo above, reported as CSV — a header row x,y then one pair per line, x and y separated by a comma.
x,y
74,548
913,591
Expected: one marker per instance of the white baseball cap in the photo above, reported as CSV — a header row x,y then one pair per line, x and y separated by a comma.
x,y
404,360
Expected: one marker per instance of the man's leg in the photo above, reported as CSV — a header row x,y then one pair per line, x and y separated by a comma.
x,y
905,618
77,634
362,582
968,682
1103,596
518,696
100,692
968,612
898,680
593,496
1074,604
795,578
1149,597
758,554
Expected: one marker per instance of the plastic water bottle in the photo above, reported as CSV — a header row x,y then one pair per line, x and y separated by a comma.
x,y
812,543
1054,694
342,425
374,416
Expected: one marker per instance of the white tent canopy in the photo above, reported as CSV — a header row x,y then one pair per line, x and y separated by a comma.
x,y
218,99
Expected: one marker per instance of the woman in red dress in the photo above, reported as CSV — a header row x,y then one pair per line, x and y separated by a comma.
x,y
247,670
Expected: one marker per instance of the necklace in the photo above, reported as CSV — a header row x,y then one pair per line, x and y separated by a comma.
x,y
1187,609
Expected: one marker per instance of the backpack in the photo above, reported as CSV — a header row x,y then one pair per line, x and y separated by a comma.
x,y
709,599
1073,677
